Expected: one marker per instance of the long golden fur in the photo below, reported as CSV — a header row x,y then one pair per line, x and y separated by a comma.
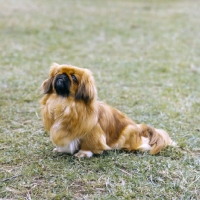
x,y
79,123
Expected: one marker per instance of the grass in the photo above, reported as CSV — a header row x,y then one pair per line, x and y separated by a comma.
x,y
145,58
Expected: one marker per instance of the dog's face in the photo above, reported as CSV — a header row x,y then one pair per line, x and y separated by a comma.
x,y
65,81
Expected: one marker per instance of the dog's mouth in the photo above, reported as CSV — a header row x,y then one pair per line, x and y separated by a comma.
x,y
62,85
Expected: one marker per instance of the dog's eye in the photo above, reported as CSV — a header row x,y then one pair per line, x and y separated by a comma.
x,y
74,78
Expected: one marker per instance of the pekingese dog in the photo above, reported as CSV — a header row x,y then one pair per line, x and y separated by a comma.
x,y
80,124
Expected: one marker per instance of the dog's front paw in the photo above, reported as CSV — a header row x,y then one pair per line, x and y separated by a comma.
x,y
55,150
84,154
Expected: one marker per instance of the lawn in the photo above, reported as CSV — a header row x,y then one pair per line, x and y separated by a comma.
x,y
145,57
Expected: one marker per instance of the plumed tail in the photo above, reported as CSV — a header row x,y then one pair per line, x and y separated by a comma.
x,y
154,139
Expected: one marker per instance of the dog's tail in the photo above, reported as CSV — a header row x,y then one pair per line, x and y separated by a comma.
x,y
154,139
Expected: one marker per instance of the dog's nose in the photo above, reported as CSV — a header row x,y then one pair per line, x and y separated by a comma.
x,y
60,81
62,85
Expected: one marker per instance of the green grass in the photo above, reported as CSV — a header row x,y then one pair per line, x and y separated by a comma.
x,y
145,57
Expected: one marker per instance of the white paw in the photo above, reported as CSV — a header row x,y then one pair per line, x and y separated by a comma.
x,y
82,154
70,148
55,150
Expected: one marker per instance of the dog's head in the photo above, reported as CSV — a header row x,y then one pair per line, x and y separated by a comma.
x,y
66,80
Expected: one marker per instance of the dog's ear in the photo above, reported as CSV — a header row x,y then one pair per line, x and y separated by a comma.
x,y
47,86
87,90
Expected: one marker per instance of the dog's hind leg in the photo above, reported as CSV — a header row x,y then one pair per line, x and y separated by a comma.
x,y
93,142
129,139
